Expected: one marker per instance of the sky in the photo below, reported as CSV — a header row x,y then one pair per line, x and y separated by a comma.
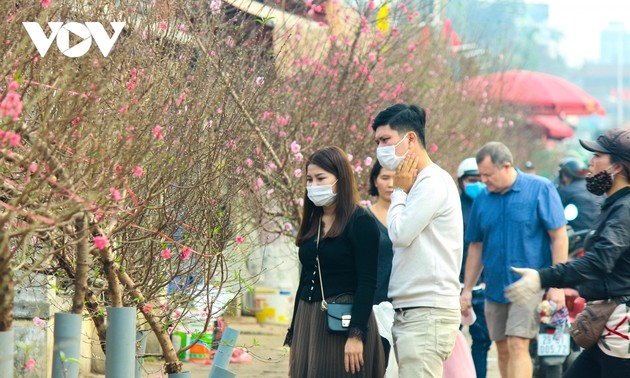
x,y
581,21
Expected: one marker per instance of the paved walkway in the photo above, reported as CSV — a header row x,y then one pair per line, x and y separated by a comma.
x,y
270,358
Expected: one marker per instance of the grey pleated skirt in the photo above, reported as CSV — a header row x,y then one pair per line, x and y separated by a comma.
x,y
317,353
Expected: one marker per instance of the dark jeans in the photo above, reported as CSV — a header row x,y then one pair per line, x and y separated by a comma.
x,y
593,363
480,336
386,348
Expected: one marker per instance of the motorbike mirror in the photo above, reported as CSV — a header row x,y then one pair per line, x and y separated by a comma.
x,y
570,212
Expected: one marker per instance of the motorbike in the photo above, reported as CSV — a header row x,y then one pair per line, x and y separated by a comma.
x,y
553,351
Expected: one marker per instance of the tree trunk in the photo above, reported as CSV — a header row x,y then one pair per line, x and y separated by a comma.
x,y
6,287
171,361
82,264
113,282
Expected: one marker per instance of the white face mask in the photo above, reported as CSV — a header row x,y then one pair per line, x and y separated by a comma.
x,y
387,156
321,195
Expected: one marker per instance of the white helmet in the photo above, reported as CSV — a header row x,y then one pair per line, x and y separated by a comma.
x,y
467,167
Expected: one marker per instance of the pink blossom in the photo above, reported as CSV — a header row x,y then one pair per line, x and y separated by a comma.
x,y
288,226
33,167
11,106
350,157
45,4
30,364
157,132
166,254
138,171
239,239
182,27
147,308
298,157
115,194
272,166
358,169
14,139
176,315
215,6
368,161
249,162
75,120
240,170
100,242
230,41
259,183
13,86
169,330
163,25
297,173
185,253
260,80
433,148
39,322
295,147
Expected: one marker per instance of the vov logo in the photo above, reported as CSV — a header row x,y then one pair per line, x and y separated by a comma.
x,y
61,31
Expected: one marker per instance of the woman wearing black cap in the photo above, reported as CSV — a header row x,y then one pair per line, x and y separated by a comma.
x,y
603,273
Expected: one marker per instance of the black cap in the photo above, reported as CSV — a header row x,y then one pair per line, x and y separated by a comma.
x,y
613,142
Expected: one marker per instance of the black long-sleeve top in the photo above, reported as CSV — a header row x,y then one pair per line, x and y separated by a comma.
x,y
604,270
348,263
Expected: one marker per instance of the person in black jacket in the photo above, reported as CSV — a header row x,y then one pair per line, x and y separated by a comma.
x,y
572,190
603,273
338,244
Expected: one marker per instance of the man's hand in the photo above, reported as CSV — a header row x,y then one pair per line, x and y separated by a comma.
x,y
557,296
353,355
406,173
521,291
465,302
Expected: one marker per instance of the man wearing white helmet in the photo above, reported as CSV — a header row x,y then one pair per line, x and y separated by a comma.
x,y
470,186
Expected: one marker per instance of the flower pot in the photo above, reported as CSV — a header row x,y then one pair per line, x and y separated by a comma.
x,y
7,353
67,344
120,359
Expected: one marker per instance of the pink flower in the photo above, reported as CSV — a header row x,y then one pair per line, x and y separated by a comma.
x,y
157,132
230,41
185,254
163,25
182,27
45,4
11,106
123,110
100,242
350,157
295,147
239,239
138,171
297,173
147,308
249,162
368,161
177,314
166,254
260,80
169,330
433,148
13,86
30,364
39,322
14,139
33,167
215,6
115,194
272,166
288,226
75,120
259,183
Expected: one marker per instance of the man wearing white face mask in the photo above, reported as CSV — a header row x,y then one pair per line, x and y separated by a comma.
x,y
425,226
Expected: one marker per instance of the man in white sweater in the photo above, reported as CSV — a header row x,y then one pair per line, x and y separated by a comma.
x,y
425,225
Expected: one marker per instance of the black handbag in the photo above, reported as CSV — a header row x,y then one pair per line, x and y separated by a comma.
x,y
338,315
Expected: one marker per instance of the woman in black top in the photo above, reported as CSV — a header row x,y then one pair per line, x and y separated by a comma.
x,y
603,272
348,253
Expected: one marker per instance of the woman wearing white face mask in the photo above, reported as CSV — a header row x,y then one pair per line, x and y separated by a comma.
x,y
603,273
345,238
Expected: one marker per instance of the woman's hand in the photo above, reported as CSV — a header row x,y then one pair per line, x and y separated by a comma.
x,y
353,355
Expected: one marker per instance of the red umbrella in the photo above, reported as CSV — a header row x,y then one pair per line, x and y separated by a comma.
x,y
555,127
541,93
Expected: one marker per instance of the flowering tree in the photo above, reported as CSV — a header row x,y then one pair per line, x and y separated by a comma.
x,y
119,172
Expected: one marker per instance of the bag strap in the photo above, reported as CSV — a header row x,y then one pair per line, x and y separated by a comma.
x,y
324,305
